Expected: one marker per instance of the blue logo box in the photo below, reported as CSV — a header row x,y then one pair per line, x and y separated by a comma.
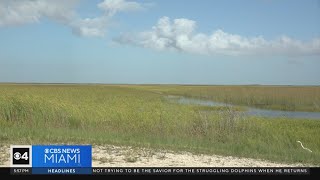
x,y
57,156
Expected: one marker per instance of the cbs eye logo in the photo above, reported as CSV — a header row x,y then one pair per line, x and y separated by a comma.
x,y
20,156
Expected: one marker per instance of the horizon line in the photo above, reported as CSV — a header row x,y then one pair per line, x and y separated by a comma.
x,y
148,84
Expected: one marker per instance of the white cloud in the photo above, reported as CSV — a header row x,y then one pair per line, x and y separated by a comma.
x,y
111,7
96,27
90,27
180,35
20,12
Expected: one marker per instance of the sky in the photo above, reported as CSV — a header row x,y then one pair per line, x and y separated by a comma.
x,y
223,42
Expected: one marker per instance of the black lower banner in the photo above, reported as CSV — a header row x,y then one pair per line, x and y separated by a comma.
x,y
201,171
165,171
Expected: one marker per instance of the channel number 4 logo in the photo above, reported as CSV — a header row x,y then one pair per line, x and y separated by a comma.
x,y
20,156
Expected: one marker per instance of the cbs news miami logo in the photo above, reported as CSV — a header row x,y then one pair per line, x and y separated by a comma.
x,y
51,156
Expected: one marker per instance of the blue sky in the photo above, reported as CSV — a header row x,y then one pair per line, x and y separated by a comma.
x,y
168,41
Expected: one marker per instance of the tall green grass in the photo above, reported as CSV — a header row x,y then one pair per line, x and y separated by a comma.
x,y
288,98
32,114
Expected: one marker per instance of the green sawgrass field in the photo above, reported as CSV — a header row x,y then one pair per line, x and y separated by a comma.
x,y
142,116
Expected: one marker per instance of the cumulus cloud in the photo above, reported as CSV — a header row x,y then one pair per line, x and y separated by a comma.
x,y
111,7
90,27
180,35
20,12
96,27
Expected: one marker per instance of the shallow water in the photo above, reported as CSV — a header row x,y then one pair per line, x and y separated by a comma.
x,y
250,111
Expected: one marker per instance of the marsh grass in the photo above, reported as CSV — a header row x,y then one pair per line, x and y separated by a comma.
x,y
219,108
121,115
287,98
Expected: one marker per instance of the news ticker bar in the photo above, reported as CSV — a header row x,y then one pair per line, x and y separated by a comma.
x,y
161,171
